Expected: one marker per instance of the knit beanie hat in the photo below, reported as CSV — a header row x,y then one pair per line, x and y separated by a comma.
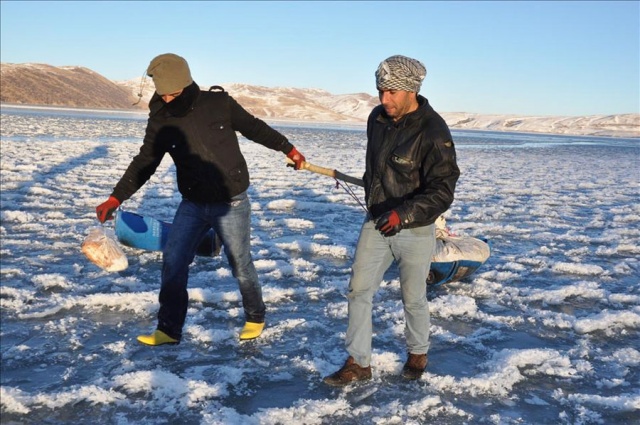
x,y
400,73
170,73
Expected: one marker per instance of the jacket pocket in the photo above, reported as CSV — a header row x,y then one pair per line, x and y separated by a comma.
x,y
218,125
219,131
235,173
404,168
238,175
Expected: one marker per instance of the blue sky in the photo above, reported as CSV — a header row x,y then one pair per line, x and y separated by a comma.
x,y
526,58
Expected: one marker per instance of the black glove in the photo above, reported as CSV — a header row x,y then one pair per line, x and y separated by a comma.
x,y
389,223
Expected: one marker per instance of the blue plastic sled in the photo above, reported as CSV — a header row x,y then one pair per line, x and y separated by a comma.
x,y
456,264
151,234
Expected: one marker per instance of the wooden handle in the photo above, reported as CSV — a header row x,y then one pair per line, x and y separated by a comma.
x,y
319,170
315,168
328,172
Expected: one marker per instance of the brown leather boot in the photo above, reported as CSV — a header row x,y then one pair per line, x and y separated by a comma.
x,y
350,372
415,366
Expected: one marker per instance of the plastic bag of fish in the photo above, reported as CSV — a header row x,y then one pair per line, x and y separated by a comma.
x,y
102,249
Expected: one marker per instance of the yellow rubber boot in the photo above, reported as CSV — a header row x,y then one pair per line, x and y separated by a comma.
x,y
251,330
157,338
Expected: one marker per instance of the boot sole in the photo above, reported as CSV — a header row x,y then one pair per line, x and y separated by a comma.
x,y
158,345
412,375
345,383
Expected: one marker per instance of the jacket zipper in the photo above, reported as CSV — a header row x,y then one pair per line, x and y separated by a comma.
x,y
387,146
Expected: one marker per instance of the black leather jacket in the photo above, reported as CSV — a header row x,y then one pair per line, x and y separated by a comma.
x,y
410,165
199,132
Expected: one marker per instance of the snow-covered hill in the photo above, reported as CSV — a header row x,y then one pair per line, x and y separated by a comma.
x,y
78,87
283,103
301,104
623,125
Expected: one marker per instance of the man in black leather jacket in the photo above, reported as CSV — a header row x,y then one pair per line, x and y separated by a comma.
x,y
410,178
198,129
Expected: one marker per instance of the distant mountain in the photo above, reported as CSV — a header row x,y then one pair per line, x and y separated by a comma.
x,y
283,103
78,87
73,86
620,125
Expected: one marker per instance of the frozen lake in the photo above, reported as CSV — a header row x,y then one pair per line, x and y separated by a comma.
x,y
546,332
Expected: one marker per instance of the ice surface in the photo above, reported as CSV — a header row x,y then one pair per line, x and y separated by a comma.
x,y
547,331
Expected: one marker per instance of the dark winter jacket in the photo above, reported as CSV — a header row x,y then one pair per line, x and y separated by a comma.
x,y
410,165
198,129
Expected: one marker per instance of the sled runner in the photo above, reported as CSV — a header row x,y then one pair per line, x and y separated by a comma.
x,y
455,257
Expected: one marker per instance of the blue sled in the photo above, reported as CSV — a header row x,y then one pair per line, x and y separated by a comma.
x,y
150,234
450,271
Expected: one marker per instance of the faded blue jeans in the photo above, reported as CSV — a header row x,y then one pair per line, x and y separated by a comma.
x,y
231,221
412,249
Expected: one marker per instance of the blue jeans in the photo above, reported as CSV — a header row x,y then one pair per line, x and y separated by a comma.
x,y
231,221
412,249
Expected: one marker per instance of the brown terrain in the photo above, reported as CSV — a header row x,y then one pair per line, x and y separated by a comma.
x,y
73,86
78,87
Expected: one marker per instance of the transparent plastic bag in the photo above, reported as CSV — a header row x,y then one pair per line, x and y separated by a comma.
x,y
450,247
102,249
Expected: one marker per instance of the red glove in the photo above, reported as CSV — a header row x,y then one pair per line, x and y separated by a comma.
x,y
389,223
296,157
105,210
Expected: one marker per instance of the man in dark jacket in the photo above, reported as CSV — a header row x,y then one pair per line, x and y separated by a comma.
x,y
198,129
410,178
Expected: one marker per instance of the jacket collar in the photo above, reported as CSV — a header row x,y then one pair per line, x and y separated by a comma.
x,y
423,109
179,106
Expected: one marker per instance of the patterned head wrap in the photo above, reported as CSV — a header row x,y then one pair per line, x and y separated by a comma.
x,y
400,73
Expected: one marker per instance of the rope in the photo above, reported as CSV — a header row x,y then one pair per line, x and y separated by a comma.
x,y
351,193
143,82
